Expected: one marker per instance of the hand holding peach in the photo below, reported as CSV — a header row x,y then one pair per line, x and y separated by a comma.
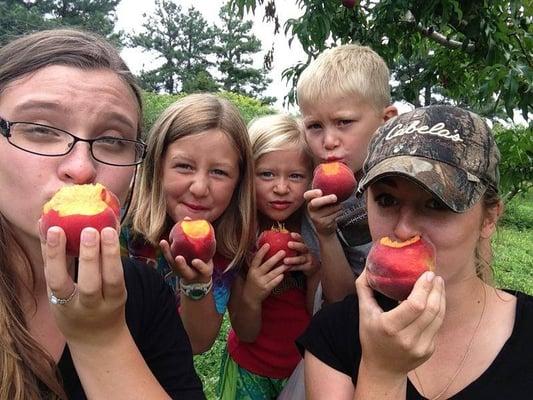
x,y
397,341
393,267
76,207
278,238
334,178
193,239
264,274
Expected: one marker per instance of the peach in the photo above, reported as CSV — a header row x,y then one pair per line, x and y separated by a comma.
x,y
76,207
393,267
334,178
278,238
193,239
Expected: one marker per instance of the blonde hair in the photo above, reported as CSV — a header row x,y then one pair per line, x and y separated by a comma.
x,y
27,371
344,71
277,132
191,115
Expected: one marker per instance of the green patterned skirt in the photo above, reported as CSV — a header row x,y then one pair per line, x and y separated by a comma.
x,y
236,383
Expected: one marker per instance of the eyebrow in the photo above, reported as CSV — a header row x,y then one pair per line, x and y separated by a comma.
x,y
56,106
39,105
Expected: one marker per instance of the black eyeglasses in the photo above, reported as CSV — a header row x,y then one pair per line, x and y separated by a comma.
x,y
48,141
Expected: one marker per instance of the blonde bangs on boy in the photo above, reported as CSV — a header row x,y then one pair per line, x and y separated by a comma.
x,y
193,114
277,132
343,71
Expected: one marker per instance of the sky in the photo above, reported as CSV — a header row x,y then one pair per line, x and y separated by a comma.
x,y
130,18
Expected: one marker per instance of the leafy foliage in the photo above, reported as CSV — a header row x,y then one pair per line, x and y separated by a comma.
x,y
19,17
516,166
475,53
182,43
236,45
155,104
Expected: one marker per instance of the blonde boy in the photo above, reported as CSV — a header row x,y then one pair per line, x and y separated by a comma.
x,y
344,96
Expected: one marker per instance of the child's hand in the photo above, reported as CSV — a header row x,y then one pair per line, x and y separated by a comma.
x,y
399,340
304,261
198,272
323,211
262,277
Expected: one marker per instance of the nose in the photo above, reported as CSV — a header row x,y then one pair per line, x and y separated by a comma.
x,y
331,139
407,224
78,166
199,186
281,186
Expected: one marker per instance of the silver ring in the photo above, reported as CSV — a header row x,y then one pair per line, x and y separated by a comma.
x,y
58,300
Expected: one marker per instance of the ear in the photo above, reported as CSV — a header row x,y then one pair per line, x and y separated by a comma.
x,y
389,112
490,219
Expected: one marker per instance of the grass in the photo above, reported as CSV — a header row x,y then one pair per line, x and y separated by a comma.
x,y
513,269
513,250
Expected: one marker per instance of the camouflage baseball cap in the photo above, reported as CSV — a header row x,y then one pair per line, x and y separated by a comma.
x,y
447,150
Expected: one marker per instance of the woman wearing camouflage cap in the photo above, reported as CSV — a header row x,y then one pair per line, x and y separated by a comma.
x,y
431,172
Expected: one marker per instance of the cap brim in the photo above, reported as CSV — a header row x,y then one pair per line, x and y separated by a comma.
x,y
453,186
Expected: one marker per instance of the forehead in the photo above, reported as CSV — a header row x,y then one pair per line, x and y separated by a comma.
x,y
334,106
213,143
71,91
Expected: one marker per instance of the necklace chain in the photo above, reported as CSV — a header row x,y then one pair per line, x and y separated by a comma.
x,y
465,356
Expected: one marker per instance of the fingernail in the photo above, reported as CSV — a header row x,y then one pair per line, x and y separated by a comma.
x,y
52,237
88,237
430,275
108,235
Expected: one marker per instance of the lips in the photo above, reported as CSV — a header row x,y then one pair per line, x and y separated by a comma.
x,y
195,207
280,205
334,158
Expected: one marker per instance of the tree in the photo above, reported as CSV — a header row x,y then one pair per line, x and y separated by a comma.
x,y
476,53
19,17
183,43
236,46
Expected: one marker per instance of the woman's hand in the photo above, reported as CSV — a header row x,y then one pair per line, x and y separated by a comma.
x,y
397,341
262,277
96,312
323,211
304,261
198,272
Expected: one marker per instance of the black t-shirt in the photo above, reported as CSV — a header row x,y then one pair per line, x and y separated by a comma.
x,y
156,327
333,337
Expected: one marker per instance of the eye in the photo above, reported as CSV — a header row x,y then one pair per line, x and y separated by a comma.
x,y
385,200
297,177
220,172
265,174
436,204
313,126
183,167
345,122
110,141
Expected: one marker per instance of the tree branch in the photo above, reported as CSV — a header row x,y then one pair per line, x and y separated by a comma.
x,y
436,36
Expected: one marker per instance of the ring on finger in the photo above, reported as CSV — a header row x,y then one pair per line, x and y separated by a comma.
x,y
62,301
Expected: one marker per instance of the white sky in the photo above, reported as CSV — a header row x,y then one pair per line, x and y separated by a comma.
x,y
130,18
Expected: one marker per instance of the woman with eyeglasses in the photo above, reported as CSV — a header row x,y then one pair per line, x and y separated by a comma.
x,y
70,113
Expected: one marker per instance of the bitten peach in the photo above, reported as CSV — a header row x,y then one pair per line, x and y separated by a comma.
x,y
76,207
334,178
193,239
393,267
278,238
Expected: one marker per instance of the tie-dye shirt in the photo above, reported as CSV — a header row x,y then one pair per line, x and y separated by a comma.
x,y
137,248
